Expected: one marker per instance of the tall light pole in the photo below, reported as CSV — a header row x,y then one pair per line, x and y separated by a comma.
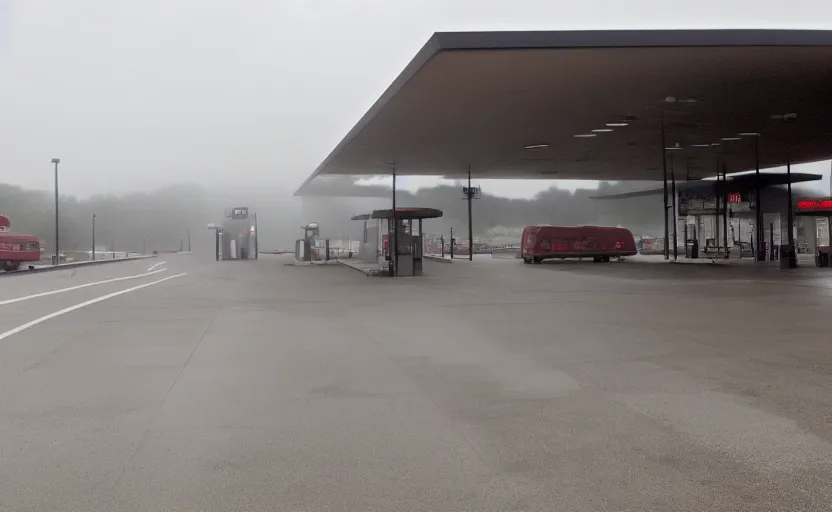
x,y
93,237
56,161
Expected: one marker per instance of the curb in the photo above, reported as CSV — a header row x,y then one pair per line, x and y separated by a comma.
x,y
72,265
369,273
437,258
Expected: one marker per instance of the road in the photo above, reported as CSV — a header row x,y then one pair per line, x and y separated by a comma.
x,y
485,386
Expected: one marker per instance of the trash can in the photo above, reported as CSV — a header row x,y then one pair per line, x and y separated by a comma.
x,y
788,256
694,249
821,258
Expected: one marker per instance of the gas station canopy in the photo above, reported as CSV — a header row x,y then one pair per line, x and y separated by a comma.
x,y
591,105
741,182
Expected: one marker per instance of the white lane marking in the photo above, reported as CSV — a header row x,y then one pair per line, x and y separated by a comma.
x,y
78,287
151,267
83,305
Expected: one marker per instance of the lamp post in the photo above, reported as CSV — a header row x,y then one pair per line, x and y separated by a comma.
x,y
93,237
56,161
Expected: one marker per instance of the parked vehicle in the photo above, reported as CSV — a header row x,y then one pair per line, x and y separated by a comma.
x,y
599,243
17,248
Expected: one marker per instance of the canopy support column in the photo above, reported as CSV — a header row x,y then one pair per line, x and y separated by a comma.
x,y
393,243
791,250
725,210
664,169
675,220
761,253
470,219
718,194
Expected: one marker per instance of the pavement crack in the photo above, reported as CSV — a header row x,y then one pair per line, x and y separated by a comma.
x,y
147,430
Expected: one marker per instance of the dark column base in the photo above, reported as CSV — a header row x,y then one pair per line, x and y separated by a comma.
x,y
788,257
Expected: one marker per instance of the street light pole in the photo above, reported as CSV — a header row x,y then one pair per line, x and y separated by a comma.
x,y
93,237
56,161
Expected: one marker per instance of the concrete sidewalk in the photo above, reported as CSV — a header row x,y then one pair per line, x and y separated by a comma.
x,y
73,264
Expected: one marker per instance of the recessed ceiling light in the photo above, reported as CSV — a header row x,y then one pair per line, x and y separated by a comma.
x,y
617,125
673,148
731,138
536,146
748,134
701,145
602,130
584,135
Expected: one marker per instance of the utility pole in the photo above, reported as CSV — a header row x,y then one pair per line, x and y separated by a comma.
x,y
56,161
189,233
93,237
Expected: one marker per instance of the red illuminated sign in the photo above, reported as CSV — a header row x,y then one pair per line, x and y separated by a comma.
x,y
815,204
736,197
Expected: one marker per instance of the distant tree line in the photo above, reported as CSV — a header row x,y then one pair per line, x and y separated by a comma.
x,y
164,217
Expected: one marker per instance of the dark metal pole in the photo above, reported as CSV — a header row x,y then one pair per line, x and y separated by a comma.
x,y
761,255
792,250
93,237
664,168
217,244
725,209
56,161
675,222
189,233
716,214
256,239
452,243
470,220
394,248
790,210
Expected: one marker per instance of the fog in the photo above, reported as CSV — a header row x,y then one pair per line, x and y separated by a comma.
x,y
241,100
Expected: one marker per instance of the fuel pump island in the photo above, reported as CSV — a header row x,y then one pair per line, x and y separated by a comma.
x,y
236,238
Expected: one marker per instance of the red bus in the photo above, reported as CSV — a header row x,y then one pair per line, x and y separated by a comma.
x,y
16,248
599,243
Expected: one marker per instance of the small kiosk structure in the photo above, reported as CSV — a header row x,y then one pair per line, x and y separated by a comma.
x,y
819,212
401,230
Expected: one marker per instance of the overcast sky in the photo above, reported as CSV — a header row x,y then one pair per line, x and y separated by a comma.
x,y
135,94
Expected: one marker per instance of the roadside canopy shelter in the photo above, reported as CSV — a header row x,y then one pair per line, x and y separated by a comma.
x,y
737,183
599,105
